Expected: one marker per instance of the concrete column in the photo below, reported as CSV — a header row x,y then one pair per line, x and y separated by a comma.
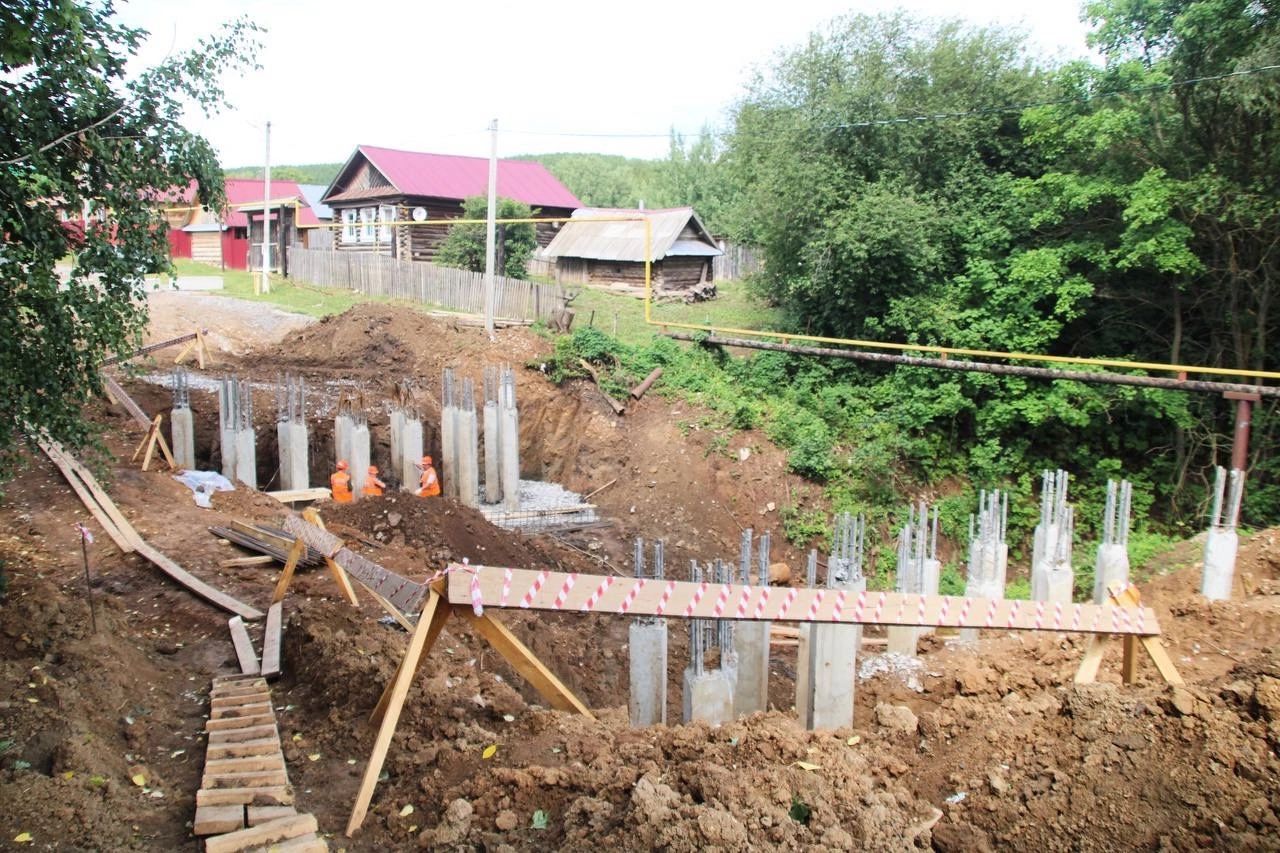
x,y
291,438
833,670
228,423
182,435
1222,542
359,460
648,653
988,553
509,437
396,469
448,468
468,468
751,639
492,453
246,470
411,454
342,428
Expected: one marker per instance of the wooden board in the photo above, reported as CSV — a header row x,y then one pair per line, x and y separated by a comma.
x,y
243,765
191,582
244,779
572,592
123,541
260,560
257,732
524,662
400,591
215,820
271,640
261,814
236,724
242,749
122,397
287,496
244,646
274,795
243,709
259,696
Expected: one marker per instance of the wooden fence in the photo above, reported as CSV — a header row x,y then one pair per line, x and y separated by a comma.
x,y
736,263
460,290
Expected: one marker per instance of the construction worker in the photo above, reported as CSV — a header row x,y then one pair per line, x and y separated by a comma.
x,y
372,485
340,484
429,483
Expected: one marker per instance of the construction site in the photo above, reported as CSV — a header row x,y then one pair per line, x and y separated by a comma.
x,y
637,657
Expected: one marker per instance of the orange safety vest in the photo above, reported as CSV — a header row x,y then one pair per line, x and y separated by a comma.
x,y
373,487
340,486
429,482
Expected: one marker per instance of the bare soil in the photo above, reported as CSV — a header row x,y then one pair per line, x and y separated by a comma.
x,y
996,749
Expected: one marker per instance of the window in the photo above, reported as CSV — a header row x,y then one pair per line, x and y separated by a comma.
x,y
349,226
386,214
367,217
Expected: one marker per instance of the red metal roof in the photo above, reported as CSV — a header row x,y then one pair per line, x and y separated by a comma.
x,y
454,177
246,191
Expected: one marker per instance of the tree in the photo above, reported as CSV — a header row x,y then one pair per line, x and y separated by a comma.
x,y
464,247
78,133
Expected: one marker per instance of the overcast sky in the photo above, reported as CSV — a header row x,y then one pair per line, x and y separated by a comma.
x,y
428,76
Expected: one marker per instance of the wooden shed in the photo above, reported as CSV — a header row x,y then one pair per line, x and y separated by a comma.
x,y
380,186
606,246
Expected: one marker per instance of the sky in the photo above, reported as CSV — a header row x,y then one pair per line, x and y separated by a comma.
x,y
610,77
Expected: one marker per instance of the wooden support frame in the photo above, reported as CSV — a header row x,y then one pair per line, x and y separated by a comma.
x,y
1122,595
339,576
154,436
200,348
431,621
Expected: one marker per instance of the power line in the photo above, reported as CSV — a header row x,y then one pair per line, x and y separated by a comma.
x,y
927,117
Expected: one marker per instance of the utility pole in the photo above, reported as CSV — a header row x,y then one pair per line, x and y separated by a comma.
x,y
266,219
490,246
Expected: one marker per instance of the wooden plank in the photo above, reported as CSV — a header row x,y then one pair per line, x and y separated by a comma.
x,y
259,560
215,820
244,646
257,732
251,709
571,593
1093,653
283,543
1129,664
122,541
399,691
271,640
262,814
245,779
439,618
191,582
274,795
310,843
256,696
524,662
243,749
344,583
234,724
319,493
239,686
1162,660
296,552
242,765
122,397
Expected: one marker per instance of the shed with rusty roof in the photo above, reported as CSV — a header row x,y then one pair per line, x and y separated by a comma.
x,y
608,246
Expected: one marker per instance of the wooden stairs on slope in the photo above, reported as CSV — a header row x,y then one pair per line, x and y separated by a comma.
x,y
245,801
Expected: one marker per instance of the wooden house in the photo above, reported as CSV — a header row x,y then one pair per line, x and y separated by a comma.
x,y
232,238
607,246
380,186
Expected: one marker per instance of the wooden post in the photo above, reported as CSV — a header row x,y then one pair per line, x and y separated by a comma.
x,y
524,662
286,577
395,703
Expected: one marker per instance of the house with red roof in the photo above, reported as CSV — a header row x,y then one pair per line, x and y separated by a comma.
x,y
377,187
232,237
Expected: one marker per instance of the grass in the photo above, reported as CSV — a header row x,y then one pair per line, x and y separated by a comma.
x,y
285,293
733,307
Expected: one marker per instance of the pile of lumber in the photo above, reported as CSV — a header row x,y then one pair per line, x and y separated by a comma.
x,y
245,801
264,539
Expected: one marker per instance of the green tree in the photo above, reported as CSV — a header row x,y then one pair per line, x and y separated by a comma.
x,y
464,247
77,132
693,176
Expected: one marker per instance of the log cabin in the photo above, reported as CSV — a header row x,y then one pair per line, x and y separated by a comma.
x,y
600,246
380,186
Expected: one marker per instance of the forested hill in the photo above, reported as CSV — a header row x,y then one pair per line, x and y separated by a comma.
x,y
311,173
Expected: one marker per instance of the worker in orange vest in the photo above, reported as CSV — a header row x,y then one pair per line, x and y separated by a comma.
x,y
429,483
372,485
340,484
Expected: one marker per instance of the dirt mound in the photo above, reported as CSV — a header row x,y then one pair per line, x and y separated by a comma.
x,y
755,782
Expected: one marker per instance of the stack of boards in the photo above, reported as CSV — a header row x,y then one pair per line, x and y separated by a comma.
x,y
245,801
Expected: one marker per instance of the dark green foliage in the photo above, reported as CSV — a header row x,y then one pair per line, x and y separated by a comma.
x,y
800,811
76,131
516,242
307,173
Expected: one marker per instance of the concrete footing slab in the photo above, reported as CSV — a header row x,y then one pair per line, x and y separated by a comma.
x,y
708,697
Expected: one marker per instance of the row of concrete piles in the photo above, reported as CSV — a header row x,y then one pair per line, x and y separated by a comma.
x,y
728,671
406,437
235,422
460,432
